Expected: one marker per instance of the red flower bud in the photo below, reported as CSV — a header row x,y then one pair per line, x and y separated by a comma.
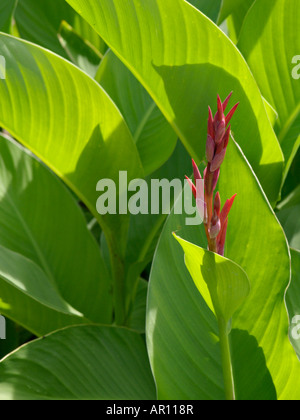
x,y
215,179
210,148
220,131
225,103
217,204
197,174
215,229
210,125
217,161
230,114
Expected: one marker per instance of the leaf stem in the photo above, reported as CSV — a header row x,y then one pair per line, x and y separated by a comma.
x,y
226,360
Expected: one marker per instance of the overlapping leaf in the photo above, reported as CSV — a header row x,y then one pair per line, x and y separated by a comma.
x,y
269,44
210,8
79,363
182,330
39,22
154,137
49,262
7,8
69,121
184,60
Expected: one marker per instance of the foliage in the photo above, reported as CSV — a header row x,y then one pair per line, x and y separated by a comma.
x,y
134,306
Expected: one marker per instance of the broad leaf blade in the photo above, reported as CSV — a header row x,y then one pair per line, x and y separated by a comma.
x,y
7,9
68,121
79,51
210,8
184,80
269,43
39,22
47,253
154,137
79,363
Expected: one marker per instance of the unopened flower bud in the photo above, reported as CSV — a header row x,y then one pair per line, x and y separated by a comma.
x,y
210,124
217,204
217,161
220,131
210,148
215,229
215,179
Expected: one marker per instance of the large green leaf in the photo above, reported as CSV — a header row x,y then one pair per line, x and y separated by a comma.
x,y
210,8
80,52
293,301
79,363
269,43
184,60
154,137
182,332
290,221
231,6
7,8
39,22
69,121
238,11
49,261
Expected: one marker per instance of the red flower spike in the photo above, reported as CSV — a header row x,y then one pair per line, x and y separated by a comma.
x,y
215,219
231,113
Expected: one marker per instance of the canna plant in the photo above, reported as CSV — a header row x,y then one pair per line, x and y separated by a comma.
x,y
108,305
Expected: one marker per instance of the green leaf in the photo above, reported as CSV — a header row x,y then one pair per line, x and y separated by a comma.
x,y
236,19
293,301
137,320
79,363
231,6
291,200
20,273
210,8
70,123
154,137
184,80
39,22
269,43
49,261
226,283
7,8
182,332
289,219
79,51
